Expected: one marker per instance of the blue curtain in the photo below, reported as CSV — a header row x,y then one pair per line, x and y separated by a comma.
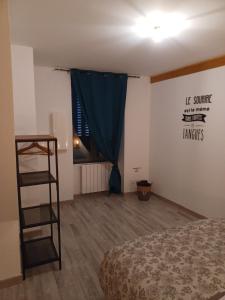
x,y
102,97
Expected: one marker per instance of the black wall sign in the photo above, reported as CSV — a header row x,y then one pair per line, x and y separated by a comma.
x,y
193,118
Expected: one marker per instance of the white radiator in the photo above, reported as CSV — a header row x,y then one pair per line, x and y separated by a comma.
x,y
95,177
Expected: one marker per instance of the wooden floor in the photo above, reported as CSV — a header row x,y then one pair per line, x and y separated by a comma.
x,y
90,226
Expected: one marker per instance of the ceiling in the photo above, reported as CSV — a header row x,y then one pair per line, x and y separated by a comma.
x,y
98,34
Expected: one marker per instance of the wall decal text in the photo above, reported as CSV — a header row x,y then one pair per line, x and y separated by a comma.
x,y
195,116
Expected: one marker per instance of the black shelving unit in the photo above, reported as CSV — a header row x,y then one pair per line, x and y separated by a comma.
x,y
41,250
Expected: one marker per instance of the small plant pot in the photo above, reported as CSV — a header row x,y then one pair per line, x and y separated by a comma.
x,y
143,190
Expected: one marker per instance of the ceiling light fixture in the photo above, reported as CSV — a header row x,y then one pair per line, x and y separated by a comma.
x,y
159,25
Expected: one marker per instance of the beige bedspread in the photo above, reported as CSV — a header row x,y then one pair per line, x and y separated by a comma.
x,y
181,263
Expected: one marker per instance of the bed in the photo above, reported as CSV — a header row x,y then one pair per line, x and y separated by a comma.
x,y
181,263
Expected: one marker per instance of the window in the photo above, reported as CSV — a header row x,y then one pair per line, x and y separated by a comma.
x,y
80,125
84,147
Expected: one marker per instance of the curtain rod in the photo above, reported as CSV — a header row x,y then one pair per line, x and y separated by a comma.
x,y
68,70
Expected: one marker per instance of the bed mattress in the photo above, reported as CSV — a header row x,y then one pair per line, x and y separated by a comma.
x,y
181,263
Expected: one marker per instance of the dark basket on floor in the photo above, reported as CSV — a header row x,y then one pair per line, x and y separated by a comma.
x,y
144,190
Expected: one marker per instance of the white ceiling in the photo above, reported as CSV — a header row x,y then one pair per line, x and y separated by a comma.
x,y
97,34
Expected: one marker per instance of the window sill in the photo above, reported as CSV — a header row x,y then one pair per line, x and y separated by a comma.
x,y
83,162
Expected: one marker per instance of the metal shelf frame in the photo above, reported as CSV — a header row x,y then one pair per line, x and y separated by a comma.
x,y
40,215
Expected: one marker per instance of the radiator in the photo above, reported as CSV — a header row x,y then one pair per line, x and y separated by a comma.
x,y
95,177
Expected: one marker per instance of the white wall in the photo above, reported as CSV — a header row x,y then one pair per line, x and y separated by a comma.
x,y
10,250
9,225
23,89
189,172
25,109
53,94
136,133
32,114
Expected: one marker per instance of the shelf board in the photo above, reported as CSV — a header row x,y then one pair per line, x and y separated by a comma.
x,y
35,178
37,216
39,251
34,138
